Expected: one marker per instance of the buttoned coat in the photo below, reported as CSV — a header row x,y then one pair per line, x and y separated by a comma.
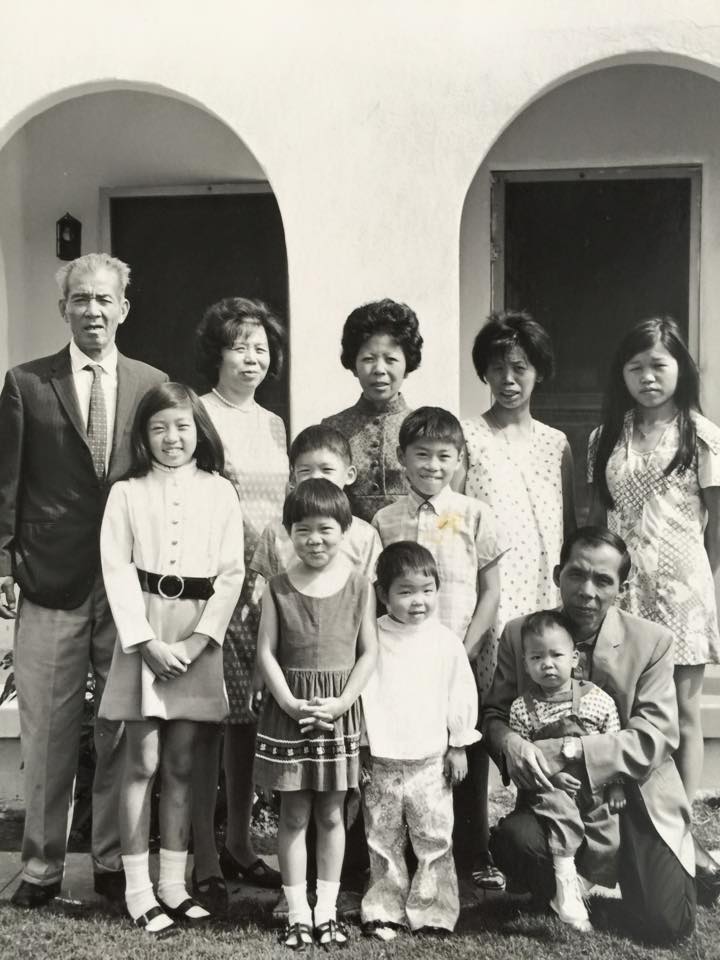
x,y
632,661
51,501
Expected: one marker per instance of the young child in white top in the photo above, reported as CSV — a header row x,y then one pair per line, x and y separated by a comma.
x,y
558,705
172,556
461,534
420,710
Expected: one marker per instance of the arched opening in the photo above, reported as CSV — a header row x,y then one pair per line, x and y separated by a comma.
x,y
645,122
163,184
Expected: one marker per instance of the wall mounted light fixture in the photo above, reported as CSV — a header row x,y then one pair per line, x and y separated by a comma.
x,y
68,232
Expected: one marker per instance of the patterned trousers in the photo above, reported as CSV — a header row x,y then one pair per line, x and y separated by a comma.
x,y
410,797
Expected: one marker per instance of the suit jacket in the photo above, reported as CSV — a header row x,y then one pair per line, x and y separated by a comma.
x,y
51,501
633,662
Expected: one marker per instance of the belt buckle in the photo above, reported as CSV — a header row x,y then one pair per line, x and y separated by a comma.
x,y
170,596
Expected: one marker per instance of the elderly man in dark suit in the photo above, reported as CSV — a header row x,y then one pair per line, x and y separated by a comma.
x,y
64,435
631,659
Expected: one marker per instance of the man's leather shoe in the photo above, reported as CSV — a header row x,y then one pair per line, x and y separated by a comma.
x,y
31,895
707,884
111,885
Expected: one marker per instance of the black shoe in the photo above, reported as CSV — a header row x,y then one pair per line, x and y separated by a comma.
x,y
111,885
707,876
31,895
210,893
259,873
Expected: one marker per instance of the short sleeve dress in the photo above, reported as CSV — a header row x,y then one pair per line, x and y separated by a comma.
x,y
372,431
256,462
522,482
662,520
317,650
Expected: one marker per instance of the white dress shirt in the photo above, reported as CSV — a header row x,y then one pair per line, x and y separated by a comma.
x,y
83,380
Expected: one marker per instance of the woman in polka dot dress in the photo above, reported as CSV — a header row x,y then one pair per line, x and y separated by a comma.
x,y
524,470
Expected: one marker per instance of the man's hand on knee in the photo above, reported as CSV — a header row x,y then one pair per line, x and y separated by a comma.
x,y
526,765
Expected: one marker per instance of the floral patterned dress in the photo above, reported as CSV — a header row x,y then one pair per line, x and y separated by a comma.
x,y
662,520
522,482
257,463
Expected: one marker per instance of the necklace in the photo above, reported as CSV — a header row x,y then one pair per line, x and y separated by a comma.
x,y
658,427
233,406
521,437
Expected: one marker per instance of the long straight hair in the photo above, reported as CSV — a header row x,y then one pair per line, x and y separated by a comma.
x,y
644,336
209,453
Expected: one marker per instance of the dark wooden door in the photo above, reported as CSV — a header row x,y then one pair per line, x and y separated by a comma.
x,y
588,256
186,252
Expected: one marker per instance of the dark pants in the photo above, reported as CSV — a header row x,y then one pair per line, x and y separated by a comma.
x,y
658,894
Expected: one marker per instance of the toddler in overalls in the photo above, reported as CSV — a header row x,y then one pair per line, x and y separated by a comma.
x,y
559,706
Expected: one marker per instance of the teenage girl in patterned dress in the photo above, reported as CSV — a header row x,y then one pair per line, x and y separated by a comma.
x,y
316,649
654,466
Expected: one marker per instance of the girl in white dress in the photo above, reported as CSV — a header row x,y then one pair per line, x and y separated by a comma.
x,y
172,555
524,470
654,467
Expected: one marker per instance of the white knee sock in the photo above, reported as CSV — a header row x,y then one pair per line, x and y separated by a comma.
x,y
298,906
327,894
139,896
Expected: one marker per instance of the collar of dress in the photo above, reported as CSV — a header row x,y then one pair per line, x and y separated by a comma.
x,y
370,409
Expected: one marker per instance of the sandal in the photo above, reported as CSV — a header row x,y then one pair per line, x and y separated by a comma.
x,y
489,878
297,936
145,918
259,873
335,931
210,893
379,930
182,913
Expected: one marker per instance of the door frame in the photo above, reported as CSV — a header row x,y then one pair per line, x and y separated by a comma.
x,y
190,190
689,171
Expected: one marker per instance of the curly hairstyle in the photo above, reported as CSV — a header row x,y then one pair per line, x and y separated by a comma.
x,y
397,320
643,336
509,329
220,327
209,453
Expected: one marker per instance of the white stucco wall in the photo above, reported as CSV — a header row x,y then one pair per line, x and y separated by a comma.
x,y
624,116
369,118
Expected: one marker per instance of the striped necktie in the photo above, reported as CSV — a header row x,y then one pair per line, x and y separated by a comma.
x,y
97,421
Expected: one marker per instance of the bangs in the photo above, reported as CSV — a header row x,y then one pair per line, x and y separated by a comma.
x,y
316,498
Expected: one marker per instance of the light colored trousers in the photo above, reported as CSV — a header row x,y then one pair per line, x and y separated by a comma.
x,y
410,797
54,649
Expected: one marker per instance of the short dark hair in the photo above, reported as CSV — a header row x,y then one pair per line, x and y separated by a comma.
x,y
597,537
219,329
509,329
320,437
316,498
209,453
397,320
431,423
537,623
403,557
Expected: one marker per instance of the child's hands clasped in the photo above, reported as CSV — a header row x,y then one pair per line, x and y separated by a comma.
x,y
164,662
455,765
319,713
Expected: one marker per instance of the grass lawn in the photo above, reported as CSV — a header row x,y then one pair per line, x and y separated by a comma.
x,y
496,930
